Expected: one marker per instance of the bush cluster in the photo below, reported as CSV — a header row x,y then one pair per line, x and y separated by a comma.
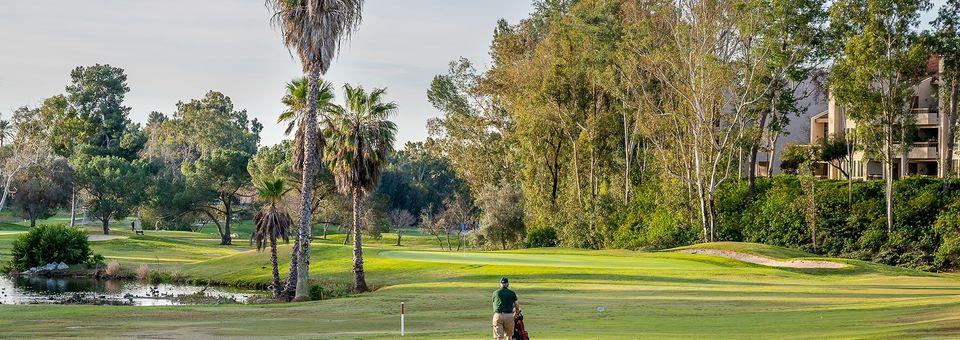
x,y
925,235
541,237
50,244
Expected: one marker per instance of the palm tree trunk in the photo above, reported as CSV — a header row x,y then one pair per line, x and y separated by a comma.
x,y
306,200
277,290
360,284
291,288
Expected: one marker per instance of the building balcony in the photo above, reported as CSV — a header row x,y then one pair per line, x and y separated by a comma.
x,y
927,116
924,150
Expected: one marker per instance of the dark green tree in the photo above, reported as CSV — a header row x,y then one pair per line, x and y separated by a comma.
x,y
115,186
216,178
42,188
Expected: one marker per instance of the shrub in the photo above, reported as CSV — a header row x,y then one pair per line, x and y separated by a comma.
x,y
542,237
653,221
143,272
50,243
113,269
95,261
849,222
178,276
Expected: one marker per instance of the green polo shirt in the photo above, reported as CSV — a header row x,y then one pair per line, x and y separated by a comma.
x,y
503,300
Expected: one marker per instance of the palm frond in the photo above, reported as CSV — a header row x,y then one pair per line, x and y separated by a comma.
x,y
359,139
315,29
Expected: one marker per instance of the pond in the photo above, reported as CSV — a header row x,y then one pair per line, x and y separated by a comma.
x,y
22,290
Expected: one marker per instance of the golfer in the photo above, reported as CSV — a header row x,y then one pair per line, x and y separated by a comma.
x,y
505,307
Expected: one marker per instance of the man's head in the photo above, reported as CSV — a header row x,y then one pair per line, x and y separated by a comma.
x,y
504,283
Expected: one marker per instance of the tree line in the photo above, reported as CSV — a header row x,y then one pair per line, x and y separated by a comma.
x,y
596,111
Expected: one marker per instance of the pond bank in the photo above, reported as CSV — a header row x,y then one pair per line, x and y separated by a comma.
x,y
79,290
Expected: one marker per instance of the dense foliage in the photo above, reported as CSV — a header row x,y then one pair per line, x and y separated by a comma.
x,y
925,233
50,244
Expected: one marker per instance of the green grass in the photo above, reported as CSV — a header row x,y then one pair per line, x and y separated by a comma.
x,y
646,295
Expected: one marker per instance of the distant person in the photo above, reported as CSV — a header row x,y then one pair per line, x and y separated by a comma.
x,y
505,308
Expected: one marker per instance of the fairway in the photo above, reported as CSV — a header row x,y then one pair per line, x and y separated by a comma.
x,y
637,261
447,294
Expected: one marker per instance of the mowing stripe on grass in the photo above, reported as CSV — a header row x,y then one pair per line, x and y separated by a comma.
x,y
552,260
150,259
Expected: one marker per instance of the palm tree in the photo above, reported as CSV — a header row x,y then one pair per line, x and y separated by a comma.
x,y
296,102
270,224
358,142
314,29
6,131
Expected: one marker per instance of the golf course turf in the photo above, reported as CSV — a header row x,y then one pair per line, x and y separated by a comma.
x,y
644,294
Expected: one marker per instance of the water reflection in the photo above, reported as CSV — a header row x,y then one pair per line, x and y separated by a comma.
x,y
33,290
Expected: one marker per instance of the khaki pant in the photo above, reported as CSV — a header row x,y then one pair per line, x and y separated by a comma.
x,y
503,324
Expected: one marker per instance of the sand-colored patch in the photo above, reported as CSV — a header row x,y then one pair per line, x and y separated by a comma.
x,y
765,261
102,237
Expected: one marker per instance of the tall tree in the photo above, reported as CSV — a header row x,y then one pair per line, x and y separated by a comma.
x,y
95,121
873,78
947,45
359,141
708,65
314,29
270,224
91,126
789,34
294,116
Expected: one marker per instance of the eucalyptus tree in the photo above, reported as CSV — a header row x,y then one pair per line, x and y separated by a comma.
x,y
947,45
789,36
699,121
30,146
874,74
315,30
271,223
359,141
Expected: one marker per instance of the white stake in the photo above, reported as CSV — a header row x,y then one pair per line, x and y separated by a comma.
x,y
402,330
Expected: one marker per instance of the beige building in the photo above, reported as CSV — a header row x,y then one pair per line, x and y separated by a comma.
x,y
924,156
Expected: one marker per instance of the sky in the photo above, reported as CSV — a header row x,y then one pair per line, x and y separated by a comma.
x,y
177,50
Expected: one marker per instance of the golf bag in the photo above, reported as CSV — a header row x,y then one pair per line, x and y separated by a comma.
x,y
519,332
